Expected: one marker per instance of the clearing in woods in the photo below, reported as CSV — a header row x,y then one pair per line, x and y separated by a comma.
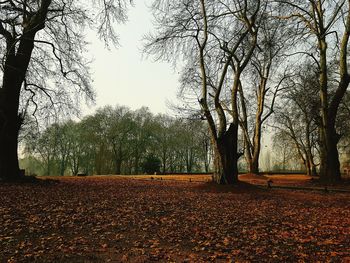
x,y
116,219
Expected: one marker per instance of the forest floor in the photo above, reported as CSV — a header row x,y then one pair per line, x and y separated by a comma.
x,y
122,219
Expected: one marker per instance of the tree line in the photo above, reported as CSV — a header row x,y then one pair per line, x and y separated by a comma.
x,y
117,140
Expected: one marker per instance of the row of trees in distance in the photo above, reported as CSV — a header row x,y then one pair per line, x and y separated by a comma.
x,y
117,140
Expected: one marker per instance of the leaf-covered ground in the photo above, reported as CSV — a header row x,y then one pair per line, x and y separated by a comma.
x,y
122,220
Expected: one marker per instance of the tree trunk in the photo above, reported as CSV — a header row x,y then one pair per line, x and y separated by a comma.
x,y
74,170
252,151
10,124
253,147
313,170
18,55
10,121
329,157
309,163
164,164
257,140
307,167
48,167
189,160
9,128
330,168
254,166
63,166
226,157
310,167
118,166
206,156
254,161
137,159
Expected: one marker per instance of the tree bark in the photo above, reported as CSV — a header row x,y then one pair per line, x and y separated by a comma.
x,y
330,165
254,160
9,125
309,163
16,66
254,166
309,157
226,157
329,157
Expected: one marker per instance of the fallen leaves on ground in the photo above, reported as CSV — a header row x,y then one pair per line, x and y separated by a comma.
x,y
123,220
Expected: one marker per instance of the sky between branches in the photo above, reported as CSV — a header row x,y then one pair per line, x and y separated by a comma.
x,y
123,75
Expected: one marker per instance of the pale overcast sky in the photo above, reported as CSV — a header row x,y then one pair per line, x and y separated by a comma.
x,y
121,76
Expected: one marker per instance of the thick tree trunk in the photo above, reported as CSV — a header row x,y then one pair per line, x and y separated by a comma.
x,y
254,162
254,166
330,165
18,55
226,157
10,121
329,157
9,128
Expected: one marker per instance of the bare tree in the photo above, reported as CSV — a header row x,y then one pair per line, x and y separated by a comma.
x,y
41,47
297,115
265,77
326,30
217,39
284,151
120,132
